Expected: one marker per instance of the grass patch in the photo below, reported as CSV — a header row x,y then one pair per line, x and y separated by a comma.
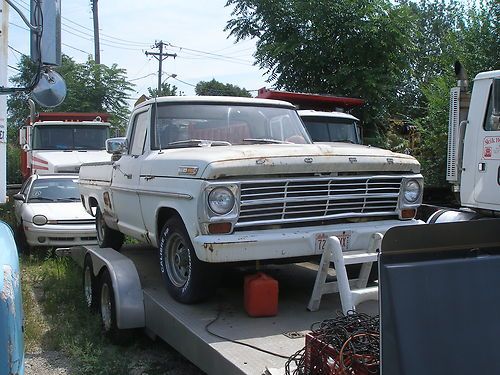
x,y
67,326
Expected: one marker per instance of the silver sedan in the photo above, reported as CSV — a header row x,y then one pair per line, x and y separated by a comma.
x,y
49,213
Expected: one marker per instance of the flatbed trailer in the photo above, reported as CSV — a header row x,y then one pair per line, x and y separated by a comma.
x,y
142,301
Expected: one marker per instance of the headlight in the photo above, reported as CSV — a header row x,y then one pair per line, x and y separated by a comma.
x,y
412,190
39,220
221,200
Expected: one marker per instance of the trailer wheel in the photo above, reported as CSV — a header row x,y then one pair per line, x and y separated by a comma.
x,y
107,310
188,280
89,284
107,237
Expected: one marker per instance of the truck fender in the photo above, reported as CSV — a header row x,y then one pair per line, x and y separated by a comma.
x,y
447,215
126,283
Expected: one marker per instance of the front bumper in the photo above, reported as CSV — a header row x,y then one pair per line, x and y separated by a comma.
x,y
288,243
60,235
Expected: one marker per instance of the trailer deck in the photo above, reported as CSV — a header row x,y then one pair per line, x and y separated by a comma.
x,y
184,327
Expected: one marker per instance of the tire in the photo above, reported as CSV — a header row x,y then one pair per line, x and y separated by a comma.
x,y
107,312
89,285
107,237
187,279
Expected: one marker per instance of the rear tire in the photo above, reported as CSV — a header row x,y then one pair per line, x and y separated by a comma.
x,y
107,237
107,312
188,280
89,285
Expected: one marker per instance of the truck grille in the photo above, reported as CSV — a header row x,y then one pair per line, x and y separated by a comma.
x,y
300,199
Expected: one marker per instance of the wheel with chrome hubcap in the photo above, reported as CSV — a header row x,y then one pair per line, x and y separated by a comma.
x,y
188,280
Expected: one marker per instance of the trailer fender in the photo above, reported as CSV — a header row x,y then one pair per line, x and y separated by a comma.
x,y
126,283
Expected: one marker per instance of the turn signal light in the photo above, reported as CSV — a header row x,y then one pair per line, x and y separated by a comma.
x,y
219,228
408,213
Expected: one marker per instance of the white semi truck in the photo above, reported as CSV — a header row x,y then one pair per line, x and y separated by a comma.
x,y
473,166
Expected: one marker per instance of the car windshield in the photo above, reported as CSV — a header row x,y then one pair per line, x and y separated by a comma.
x,y
328,129
194,125
54,190
69,137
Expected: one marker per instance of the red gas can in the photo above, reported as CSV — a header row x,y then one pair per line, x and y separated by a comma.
x,y
261,295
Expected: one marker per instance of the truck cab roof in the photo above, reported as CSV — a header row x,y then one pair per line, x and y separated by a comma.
x,y
215,100
311,112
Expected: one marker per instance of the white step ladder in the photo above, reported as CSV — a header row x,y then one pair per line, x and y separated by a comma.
x,y
349,298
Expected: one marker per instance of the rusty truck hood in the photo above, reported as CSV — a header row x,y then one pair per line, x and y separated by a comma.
x,y
276,159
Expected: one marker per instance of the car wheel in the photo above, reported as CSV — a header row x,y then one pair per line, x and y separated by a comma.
x,y
107,312
107,237
89,284
188,280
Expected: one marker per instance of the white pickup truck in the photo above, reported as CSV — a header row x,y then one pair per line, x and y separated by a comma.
x,y
213,180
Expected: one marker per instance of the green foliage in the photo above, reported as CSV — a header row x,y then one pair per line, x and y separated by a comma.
x,y
346,47
433,130
165,90
91,88
68,327
217,88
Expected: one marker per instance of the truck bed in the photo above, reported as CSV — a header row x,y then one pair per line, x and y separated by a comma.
x,y
99,172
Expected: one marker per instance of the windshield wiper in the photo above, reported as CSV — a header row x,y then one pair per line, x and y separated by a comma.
x,y
42,199
71,199
263,140
197,143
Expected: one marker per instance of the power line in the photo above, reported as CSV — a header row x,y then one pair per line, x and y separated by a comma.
x,y
160,56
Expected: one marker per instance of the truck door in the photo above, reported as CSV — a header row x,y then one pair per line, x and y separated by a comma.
x,y
487,181
126,178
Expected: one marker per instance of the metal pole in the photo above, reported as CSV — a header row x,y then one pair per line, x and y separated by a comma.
x,y
97,52
4,53
160,46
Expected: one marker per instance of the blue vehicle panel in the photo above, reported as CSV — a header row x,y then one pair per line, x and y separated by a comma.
x,y
11,313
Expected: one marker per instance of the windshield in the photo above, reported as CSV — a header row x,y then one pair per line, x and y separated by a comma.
x,y
68,137
54,190
185,125
328,129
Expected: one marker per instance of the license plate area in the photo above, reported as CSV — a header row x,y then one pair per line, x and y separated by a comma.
x,y
320,243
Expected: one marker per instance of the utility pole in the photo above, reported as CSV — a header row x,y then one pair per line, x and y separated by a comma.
x,y
4,53
97,52
160,56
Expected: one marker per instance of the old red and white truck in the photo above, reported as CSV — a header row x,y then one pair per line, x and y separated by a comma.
x,y
219,180
59,142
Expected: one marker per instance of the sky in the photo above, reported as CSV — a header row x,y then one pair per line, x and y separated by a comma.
x,y
193,29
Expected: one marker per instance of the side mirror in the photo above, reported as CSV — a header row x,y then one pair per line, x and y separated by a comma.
x,y
19,197
117,145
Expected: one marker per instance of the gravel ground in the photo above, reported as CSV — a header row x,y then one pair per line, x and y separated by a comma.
x,y
46,363
159,359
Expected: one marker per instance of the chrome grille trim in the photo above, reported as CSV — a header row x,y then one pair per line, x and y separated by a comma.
x,y
295,200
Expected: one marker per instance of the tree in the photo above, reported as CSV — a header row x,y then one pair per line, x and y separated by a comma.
x,y
91,88
217,88
339,47
165,90
398,56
